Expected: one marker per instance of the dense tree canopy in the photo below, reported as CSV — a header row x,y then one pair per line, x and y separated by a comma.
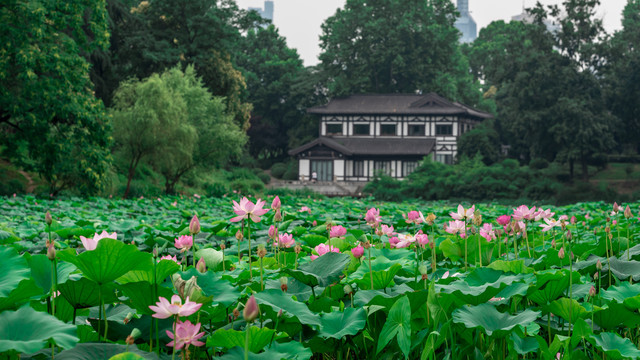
x,y
50,121
175,124
393,46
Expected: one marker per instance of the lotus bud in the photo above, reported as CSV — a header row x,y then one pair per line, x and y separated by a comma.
x,y
569,235
239,235
616,208
284,281
596,276
430,218
561,253
251,310
599,265
48,219
477,219
572,256
275,204
348,289
262,251
236,313
179,284
51,251
314,223
273,232
194,225
192,290
128,318
277,216
473,230
592,291
201,266
614,222
280,313
223,246
553,243
297,249
573,220
155,252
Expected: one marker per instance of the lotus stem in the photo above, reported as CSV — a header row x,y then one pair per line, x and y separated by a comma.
x,y
261,279
175,338
465,254
370,269
570,290
249,239
479,250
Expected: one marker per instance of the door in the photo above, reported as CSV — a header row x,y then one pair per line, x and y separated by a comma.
x,y
323,168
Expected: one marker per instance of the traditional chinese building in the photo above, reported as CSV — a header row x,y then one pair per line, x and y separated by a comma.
x,y
363,134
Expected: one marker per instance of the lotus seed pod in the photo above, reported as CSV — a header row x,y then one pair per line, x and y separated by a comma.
x,y
239,235
236,313
297,249
431,218
284,281
262,251
348,289
477,219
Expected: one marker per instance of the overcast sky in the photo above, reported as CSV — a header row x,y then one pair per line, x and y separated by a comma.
x,y
299,20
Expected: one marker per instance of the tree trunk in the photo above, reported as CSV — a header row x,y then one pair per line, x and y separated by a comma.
x,y
585,170
571,168
132,170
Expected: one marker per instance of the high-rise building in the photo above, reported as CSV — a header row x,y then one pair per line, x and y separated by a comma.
x,y
465,23
267,12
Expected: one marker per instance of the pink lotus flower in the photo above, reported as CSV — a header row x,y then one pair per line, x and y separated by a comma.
x,y
393,241
358,251
550,224
456,227
503,219
414,217
273,232
524,213
422,239
463,214
166,309
404,241
385,230
285,240
373,217
186,334
91,244
337,231
304,208
323,249
184,243
563,217
275,204
248,210
487,232
543,214
169,257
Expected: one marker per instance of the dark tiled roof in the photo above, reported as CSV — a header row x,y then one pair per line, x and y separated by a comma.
x,y
429,104
372,146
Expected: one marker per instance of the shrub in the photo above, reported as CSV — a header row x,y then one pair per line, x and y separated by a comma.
x,y
244,187
217,190
384,187
278,170
292,171
538,164
264,177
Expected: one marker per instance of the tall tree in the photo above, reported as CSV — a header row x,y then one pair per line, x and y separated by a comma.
x,y
174,123
623,78
273,72
389,46
50,121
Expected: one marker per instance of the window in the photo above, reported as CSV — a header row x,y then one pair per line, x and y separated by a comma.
x,y
361,129
444,129
334,129
358,168
388,130
383,166
445,159
408,167
416,130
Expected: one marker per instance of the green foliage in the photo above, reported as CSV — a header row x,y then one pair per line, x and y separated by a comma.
x,y
50,122
483,140
173,122
278,170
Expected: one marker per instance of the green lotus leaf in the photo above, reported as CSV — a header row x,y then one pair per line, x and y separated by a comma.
x,y
549,285
480,285
140,295
212,257
84,293
339,324
41,271
110,260
278,300
164,269
383,272
27,331
212,285
623,269
291,350
615,315
621,292
13,269
615,346
569,310
228,338
93,351
26,290
492,321
398,325
126,356
514,266
322,271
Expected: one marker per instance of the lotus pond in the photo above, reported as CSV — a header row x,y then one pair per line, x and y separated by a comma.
x,y
299,278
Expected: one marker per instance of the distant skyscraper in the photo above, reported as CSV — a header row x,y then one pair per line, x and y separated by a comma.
x,y
465,23
267,12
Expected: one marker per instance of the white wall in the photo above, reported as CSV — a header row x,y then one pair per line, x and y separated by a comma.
x,y
304,169
338,169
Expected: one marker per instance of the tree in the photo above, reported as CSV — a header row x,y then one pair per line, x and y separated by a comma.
x,y
172,121
622,78
50,121
273,72
483,140
393,46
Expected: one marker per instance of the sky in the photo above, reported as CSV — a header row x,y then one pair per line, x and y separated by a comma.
x,y
299,21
